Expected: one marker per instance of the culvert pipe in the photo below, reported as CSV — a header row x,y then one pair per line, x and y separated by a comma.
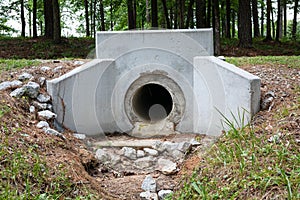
x,y
150,83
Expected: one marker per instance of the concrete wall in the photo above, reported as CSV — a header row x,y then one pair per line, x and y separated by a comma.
x,y
98,97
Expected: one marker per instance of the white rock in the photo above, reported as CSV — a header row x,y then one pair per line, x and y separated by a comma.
x,y
45,68
129,152
32,89
140,153
10,84
151,152
184,146
42,80
43,98
166,166
19,92
40,106
31,109
57,69
102,155
25,76
78,62
51,131
79,136
148,196
46,114
162,194
42,124
145,162
149,184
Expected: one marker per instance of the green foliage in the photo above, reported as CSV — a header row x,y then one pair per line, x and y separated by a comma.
x,y
3,110
290,61
245,165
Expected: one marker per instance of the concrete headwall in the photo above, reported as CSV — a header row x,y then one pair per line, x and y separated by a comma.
x,y
141,75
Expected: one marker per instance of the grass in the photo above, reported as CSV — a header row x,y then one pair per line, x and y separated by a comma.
x,y
289,61
8,64
245,165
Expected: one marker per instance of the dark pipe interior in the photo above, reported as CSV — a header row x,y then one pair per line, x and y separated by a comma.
x,y
152,98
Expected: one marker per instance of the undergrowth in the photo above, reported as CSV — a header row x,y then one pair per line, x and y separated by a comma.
x,y
245,165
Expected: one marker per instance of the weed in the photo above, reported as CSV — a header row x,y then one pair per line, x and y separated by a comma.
x,y
8,64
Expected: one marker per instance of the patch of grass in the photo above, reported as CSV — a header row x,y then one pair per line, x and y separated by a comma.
x,y
245,165
3,110
289,61
8,64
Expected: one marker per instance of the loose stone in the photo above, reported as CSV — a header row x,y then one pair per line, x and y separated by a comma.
x,y
151,152
46,114
32,89
140,153
149,184
31,109
42,124
166,166
129,152
51,131
79,136
148,196
19,92
162,194
25,76
43,98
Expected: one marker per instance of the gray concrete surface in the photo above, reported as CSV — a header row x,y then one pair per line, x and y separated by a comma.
x,y
150,83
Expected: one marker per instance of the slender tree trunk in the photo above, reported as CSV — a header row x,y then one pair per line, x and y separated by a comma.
x,y
134,13
34,12
30,22
154,13
87,21
284,18
102,16
216,15
189,14
147,11
294,29
56,22
23,22
130,14
273,22
223,20
94,18
255,18
166,14
279,21
208,15
91,18
233,24
200,13
48,16
244,24
262,18
228,18
181,13
111,16
268,36
176,15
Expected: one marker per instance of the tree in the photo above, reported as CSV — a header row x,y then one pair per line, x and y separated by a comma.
x,y
294,28
166,13
87,21
189,18
269,7
255,18
34,16
154,15
279,21
48,17
262,6
228,17
216,25
200,13
102,16
56,22
23,22
130,14
244,24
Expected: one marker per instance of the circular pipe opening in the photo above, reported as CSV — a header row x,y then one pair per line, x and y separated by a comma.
x,y
152,102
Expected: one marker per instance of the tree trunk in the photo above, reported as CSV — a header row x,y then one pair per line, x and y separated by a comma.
x,y
255,18
181,13
166,14
48,16
200,13
284,18
130,14
244,24
228,18
294,28
30,21
233,23
91,18
94,18
273,22
268,36
208,16
262,5
147,11
102,16
279,21
216,16
111,16
87,21
56,22
34,12
23,22
189,14
154,13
